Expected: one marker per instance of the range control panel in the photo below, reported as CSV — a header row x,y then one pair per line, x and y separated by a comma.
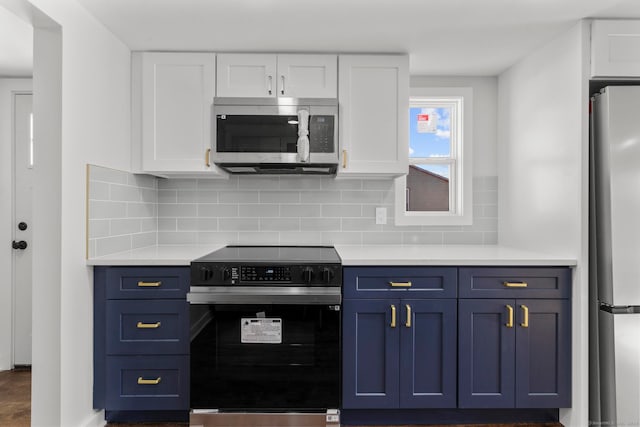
x,y
230,274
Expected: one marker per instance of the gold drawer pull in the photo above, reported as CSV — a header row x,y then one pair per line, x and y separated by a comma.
x,y
344,159
142,381
515,284
400,284
525,312
510,322
149,284
148,325
207,157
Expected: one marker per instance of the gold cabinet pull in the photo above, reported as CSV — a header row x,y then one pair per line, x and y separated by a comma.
x,y
142,381
509,323
400,284
515,284
149,284
408,322
344,159
141,325
525,313
393,316
207,157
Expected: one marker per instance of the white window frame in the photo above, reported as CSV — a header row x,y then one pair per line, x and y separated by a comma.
x,y
461,183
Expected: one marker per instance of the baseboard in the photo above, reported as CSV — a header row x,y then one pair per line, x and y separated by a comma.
x,y
95,420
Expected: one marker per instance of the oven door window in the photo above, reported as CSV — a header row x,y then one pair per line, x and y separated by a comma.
x,y
289,360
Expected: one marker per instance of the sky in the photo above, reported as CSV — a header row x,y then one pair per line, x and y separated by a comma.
x,y
434,142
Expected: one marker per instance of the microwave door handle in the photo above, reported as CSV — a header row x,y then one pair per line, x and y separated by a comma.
x,y
303,136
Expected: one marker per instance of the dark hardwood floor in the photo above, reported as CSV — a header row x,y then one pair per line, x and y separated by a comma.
x,y
15,406
15,398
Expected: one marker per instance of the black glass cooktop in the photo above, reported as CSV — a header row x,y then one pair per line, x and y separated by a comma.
x,y
274,254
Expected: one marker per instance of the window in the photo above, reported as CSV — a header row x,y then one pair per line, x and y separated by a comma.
x,y
437,188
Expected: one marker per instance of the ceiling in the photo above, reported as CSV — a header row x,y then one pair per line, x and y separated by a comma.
x,y
443,37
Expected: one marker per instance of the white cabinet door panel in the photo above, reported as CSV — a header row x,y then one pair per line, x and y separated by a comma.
x,y
615,48
374,103
246,75
308,76
177,94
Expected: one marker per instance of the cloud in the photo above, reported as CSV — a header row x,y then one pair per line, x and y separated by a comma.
x,y
411,151
443,133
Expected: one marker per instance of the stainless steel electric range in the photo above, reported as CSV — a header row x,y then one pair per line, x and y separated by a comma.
x,y
265,330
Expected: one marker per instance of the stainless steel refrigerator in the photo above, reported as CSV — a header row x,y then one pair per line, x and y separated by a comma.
x,y
615,257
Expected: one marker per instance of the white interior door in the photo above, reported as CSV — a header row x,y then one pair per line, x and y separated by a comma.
x,y
22,231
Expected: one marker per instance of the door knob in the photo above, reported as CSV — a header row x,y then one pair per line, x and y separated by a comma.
x,y
22,226
19,245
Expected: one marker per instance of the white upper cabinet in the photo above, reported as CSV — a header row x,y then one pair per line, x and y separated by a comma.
x,y
269,75
615,48
374,109
174,110
308,76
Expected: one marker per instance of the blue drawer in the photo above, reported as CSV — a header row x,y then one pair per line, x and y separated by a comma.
x,y
401,282
145,282
147,327
515,282
147,383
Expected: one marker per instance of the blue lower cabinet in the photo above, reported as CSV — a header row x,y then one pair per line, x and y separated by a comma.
x,y
428,353
543,354
514,353
148,382
141,343
399,353
487,354
370,354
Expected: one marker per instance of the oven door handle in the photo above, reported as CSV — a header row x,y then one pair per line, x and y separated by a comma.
x,y
264,295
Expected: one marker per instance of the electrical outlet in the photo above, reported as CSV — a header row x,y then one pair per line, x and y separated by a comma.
x,y
381,215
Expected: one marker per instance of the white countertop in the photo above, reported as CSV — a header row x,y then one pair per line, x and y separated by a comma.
x,y
447,255
156,255
352,255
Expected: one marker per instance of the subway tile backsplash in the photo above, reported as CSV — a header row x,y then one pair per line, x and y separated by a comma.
x,y
123,211
128,211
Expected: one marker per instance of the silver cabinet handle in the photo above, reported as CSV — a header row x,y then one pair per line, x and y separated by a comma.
x,y
270,84
282,88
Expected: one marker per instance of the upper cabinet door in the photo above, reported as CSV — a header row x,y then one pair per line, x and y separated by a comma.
x,y
246,75
374,109
177,93
270,75
615,48
308,76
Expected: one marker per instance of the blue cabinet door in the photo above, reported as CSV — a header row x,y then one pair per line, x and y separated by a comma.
x,y
370,354
486,349
543,354
428,353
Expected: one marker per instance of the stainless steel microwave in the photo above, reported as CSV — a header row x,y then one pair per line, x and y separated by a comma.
x,y
276,135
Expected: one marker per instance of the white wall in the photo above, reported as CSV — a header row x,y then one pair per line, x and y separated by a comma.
x,y
542,146
485,110
7,88
94,114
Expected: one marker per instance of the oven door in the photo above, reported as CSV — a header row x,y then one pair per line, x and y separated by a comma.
x,y
266,357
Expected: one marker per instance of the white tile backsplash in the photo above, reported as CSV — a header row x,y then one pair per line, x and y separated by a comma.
x,y
127,211
122,211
